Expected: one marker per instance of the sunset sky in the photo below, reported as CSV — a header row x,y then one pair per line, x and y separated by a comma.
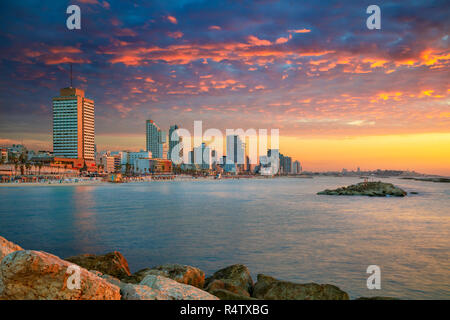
x,y
342,95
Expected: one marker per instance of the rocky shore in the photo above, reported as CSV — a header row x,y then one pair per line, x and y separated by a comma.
x,y
371,189
36,275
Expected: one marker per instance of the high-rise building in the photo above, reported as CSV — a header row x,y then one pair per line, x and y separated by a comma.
x,y
202,156
296,167
173,142
73,125
235,150
155,139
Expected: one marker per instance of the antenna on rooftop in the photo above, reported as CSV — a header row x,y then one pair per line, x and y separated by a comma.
x,y
71,75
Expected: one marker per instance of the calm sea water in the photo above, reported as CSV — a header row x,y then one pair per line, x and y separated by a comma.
x,y
278,227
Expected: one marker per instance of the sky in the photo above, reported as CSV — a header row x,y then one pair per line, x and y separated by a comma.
x,y
342,96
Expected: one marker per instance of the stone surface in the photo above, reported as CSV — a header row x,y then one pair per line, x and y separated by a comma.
x,y
226,285
180,273
371,189
237,276
32,275
175,290
7,247
130,291
269,288
112,263
228,295
377,298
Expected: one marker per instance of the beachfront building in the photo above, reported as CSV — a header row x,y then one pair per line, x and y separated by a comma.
x,y
152,166
73,125
155,138
4,155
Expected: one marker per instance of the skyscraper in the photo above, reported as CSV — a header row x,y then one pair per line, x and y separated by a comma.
x,y
73,125
235,150
154,139
173,142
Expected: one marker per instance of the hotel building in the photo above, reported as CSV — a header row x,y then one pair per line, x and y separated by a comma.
x,y
73,125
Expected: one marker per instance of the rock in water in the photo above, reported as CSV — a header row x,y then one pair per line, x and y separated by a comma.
x,y
176,290
113,263
371,189
269,288
180,273
235,278
32,275
7,247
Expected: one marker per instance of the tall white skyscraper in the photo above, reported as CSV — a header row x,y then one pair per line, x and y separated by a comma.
x,y
73,125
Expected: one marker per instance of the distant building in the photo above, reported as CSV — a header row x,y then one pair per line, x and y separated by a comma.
x,y
285,164
173,142
202,156
148,166
4,155
73,125
296,167
154,139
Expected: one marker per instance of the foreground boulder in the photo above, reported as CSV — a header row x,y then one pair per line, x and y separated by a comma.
x,y
7,247
228,295
180,273
175,290
269,288
130,291
113,263
218,288
235,278
377,298
371,189
32,275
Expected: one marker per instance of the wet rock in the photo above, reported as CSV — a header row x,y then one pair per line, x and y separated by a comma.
x,y
234,276
269,288
7,247
33,275
176,290
113,263
371,189
180,273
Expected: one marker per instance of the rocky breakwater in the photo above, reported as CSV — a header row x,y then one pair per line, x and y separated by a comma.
x,y
371,189
28,274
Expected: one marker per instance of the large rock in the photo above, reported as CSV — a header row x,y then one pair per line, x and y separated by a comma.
x,y
7,247
235,278
371,189
377,298
228,295
34,275
176,290
226,285
130,291
269,288
180,273
113,263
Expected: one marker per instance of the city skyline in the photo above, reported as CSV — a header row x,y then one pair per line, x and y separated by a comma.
x,y
342,96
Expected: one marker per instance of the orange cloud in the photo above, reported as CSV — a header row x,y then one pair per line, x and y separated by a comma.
x,y
175,34
172,19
